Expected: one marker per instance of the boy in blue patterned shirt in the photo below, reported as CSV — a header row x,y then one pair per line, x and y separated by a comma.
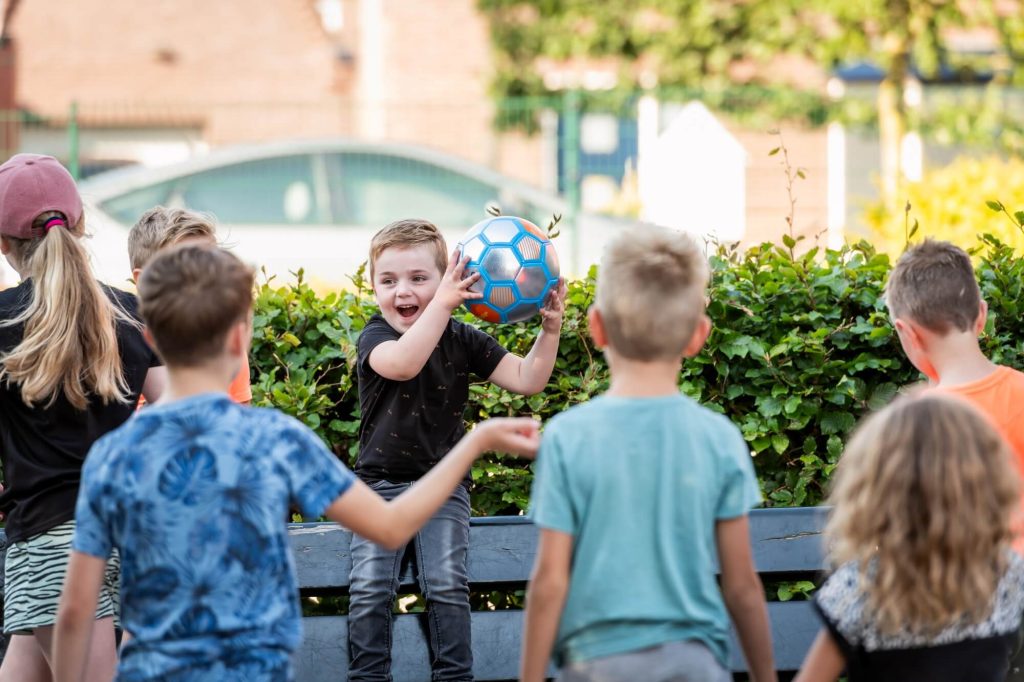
x,y
640,493
194,492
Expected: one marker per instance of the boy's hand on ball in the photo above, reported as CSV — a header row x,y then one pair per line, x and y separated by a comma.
x,y
516,435
554,308
454,290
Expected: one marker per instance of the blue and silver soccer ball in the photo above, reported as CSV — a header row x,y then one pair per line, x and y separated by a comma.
x,y
518,266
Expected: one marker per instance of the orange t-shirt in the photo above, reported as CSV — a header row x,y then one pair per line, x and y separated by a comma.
x,y
1000,396
240,390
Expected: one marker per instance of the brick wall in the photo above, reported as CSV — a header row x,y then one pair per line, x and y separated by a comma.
x,y
767,200
436,74
128,60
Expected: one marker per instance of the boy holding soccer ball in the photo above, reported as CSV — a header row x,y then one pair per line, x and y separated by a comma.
x,y
414,363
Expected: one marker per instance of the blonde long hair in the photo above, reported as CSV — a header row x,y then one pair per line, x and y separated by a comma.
x,y
924,501
69,345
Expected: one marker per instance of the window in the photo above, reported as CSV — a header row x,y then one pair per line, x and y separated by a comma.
x,y
267,192
128,207
376,189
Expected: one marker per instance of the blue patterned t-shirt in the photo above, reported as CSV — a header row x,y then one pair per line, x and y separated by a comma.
x,y
195,495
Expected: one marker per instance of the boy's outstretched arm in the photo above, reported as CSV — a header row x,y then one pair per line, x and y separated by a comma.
x,y
545,598
530,375
744,596
824,661
76,616
404,358
392,524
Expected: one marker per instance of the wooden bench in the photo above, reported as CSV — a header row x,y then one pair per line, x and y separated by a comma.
x,y
786,545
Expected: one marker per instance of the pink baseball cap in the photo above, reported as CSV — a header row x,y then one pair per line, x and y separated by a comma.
x,y
32,184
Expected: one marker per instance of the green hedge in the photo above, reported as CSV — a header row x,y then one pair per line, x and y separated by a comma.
x,y
801,348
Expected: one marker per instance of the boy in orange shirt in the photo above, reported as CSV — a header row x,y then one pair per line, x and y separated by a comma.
x,y
161,227
937,309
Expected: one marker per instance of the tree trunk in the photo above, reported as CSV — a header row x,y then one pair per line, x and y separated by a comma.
x,y
892,108
892,125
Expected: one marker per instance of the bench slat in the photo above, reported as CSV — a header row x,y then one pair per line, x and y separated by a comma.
x,y
496,636
502,549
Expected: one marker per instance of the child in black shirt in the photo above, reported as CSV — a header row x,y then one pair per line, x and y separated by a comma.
x,y
414,363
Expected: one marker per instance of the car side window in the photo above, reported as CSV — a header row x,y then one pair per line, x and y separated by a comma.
x,y
376,189
127,207
272,191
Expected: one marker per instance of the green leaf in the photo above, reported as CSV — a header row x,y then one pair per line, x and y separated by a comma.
x,y
774,151
780,442
769,406
882,395
995,205
837,422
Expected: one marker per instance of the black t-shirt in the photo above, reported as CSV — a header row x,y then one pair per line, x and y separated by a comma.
x,y
42,448
408,426
962,652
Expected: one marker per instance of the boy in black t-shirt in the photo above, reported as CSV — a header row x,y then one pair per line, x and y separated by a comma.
x,y
414,363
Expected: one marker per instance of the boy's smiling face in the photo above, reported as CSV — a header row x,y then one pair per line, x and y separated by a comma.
x,y
405,280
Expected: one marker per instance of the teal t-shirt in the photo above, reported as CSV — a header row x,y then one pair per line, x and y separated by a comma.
x,y
639,483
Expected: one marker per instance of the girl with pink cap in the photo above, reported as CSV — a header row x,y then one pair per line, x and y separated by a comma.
x,y
73,363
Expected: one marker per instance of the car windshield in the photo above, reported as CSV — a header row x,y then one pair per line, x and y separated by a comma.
x,y
128,207
376,189
368,189
276,191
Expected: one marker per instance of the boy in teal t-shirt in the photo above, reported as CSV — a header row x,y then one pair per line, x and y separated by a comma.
x,y
640,492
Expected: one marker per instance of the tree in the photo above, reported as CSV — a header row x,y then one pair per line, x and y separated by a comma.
x,y
673,42
900,36
711,43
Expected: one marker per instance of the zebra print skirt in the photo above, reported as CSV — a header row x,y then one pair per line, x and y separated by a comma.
x,y
34,572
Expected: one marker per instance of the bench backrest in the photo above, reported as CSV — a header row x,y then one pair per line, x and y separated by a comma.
x,y
786,546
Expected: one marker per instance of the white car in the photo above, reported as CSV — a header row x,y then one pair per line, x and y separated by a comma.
x,y
315,204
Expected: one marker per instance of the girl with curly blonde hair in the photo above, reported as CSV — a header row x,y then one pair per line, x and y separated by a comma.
x,y
926,586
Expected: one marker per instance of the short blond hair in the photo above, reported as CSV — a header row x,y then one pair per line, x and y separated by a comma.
x,y
408,233
924,501
933,284
160,227
189,297
651,292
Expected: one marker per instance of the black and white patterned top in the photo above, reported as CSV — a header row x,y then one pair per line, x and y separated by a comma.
x,y
962,652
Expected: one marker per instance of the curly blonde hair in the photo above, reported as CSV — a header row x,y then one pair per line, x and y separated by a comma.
x,y
925,499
